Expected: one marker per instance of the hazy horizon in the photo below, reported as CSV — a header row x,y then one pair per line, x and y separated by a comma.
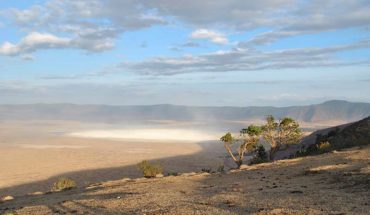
x,y
184,105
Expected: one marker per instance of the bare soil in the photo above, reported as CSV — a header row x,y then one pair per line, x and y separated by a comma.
x,y
333,183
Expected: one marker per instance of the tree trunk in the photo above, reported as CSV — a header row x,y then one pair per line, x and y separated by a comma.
x,y
228,149
273,150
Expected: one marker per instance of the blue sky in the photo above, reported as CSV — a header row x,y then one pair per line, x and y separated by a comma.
x,y
211,52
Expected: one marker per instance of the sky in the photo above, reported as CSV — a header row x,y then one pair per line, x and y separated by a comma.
x,y
184,52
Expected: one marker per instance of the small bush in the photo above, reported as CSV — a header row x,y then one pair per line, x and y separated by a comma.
x,y
260,157
301,153
256,160
315,149
311,172
173,174
221,169
64,184
208,170
323,147
150,170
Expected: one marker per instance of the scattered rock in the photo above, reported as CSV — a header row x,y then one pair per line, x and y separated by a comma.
x,y
237,190
230,203
183,192
311,172
7,198
347,174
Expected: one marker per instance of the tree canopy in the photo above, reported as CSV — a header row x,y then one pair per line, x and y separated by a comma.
x,y
277,133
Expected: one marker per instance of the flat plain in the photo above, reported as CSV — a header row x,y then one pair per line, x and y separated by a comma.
x,y
35,153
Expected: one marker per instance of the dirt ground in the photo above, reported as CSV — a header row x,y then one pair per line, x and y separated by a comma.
x,y
34,154
334,183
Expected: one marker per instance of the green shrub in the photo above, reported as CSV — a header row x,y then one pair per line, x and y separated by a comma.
x,y
301,153
208,170
315,149
221,169
260,157
256,160
64,183
323,147
150,170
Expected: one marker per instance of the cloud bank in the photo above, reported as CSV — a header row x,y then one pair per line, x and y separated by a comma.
x,y
94,26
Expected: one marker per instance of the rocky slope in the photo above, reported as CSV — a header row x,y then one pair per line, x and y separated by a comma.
x,y
341,136
333,183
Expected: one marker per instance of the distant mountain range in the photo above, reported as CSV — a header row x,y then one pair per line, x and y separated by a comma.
x,y
335,110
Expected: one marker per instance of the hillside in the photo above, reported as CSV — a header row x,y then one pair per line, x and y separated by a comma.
x,y
334,183
340,136
338,111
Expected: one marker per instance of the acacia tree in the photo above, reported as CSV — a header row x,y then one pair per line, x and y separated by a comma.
x,y
284,132
249,138
228,140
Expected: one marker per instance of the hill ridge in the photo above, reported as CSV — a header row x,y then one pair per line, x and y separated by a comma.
x,y
337,110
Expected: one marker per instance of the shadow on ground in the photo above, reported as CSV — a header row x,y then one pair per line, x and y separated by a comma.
x,y
334,183
86,177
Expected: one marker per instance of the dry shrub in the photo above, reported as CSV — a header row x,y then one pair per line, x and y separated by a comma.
x,y
150,170
324,147
64,183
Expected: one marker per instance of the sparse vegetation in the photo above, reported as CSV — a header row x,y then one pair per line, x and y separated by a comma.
x,y
208,170
278,134
324,147
249,138
282,133
260,156
355,134
150,170
64,183
221,169
172,173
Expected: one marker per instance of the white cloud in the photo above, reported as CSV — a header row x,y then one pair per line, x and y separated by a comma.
x,y
213,36
36,41
94,25
33,42
269,37
241,59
